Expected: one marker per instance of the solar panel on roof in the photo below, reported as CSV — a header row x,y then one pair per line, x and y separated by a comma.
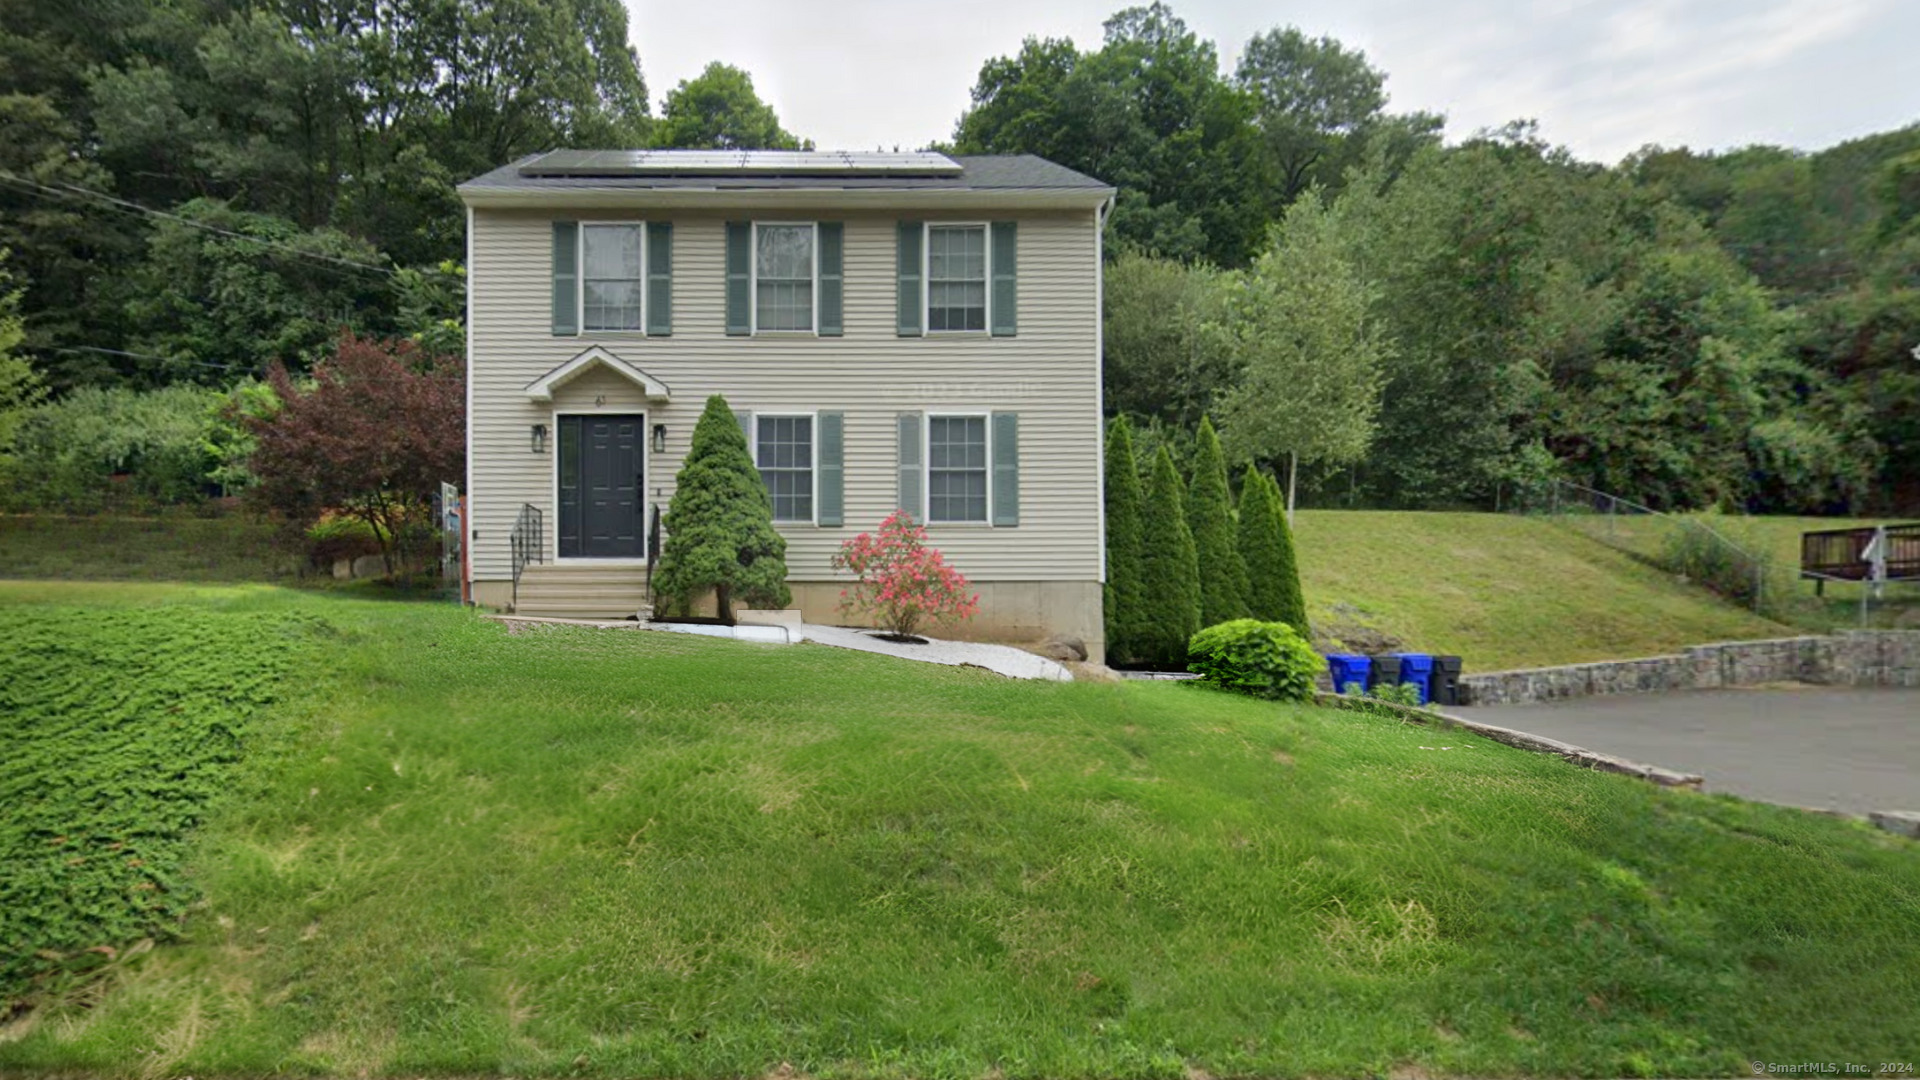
x,y
612,163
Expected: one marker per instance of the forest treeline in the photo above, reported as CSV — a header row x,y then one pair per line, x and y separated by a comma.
x,y
193,189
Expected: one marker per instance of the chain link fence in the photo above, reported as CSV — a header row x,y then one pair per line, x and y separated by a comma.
x,y
1742,571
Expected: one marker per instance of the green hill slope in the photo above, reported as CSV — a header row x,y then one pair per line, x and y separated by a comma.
x,y
1503,591
450,850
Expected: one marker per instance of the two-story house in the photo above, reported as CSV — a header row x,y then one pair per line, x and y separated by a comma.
x,y
894,331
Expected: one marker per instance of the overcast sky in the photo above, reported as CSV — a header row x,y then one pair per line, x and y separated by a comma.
x,y
1601,77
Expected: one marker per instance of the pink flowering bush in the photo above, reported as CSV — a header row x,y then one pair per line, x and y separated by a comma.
x,y
904,584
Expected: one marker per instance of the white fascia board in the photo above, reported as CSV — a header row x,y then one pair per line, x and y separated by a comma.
x,y
542,388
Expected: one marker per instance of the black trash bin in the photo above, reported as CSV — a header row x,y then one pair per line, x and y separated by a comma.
x,y
1446,680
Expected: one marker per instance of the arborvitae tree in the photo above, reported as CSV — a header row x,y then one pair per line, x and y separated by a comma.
x,y
1266,544
720,533
1126,611
1169,570
1223,577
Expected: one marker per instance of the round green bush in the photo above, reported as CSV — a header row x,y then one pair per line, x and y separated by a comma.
x,y
1265,659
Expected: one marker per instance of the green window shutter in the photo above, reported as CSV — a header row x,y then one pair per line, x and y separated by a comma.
x,y
660,278
745,416
566,277
739,288
831,279
912,476
912,311
1006,291
1006,468
832,503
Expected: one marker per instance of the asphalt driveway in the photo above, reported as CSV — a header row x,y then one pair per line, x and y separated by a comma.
x,y
1841,749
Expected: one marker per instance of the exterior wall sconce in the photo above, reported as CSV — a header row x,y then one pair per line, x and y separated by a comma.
x,y
539,438
659,438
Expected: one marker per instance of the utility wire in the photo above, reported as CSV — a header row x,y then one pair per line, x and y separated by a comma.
x,y
70,191
145,356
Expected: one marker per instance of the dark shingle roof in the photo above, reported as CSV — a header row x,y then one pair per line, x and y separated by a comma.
x,y
1014,172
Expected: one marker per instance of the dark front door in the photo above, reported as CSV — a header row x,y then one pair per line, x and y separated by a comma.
x,y
600,467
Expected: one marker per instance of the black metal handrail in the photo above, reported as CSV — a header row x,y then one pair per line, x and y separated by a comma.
x,y
529,544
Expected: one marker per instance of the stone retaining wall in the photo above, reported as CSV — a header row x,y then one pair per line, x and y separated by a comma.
x,y
1847,658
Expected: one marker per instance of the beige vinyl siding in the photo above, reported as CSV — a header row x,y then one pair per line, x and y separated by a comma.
x,y
1049,374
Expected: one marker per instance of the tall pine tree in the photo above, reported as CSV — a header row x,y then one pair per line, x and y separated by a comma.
x,y
1266,544
1169,571
720,533
1223,577
1126,610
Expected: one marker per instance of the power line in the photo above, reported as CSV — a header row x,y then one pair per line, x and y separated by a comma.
x,y
145,356
74,190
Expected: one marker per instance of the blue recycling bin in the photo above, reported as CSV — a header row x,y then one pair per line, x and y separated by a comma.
x,y
1348,669
1416,668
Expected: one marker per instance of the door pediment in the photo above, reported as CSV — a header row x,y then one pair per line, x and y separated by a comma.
x,y
542,388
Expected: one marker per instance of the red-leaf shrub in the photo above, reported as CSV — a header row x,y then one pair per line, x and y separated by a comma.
x,y
382,424
904,584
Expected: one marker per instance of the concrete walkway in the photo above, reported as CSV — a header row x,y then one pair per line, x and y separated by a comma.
x,y
1005,659
1854,750
1000,659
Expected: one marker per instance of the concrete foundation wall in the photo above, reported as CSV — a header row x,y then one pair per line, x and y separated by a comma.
x,y
1848,658
1010,611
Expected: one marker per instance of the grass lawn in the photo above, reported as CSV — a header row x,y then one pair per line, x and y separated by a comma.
x,y
231,547
445,849
1504,591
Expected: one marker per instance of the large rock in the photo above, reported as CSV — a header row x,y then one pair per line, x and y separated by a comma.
x,y
1904,822
1064,648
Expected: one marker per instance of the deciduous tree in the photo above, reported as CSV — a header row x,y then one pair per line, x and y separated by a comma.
x,y
719,110
1298,323
377,430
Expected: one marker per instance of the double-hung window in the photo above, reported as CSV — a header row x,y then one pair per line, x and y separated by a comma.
x,y
783,448
783,272
956,468
611,276
956,278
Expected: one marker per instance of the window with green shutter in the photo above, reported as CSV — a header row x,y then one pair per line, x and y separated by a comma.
x,y
911,478
1006,469
909,296
660,278
739,278
957,471
956,278
831,278
566,278
1006,290
832,504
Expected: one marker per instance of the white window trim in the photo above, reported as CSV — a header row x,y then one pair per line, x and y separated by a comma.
x,y
753,282
926,278
580,278
553,475
926,465
813,452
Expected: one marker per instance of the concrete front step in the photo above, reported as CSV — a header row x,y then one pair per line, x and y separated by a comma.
x,y
583,592
615,575
583,611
